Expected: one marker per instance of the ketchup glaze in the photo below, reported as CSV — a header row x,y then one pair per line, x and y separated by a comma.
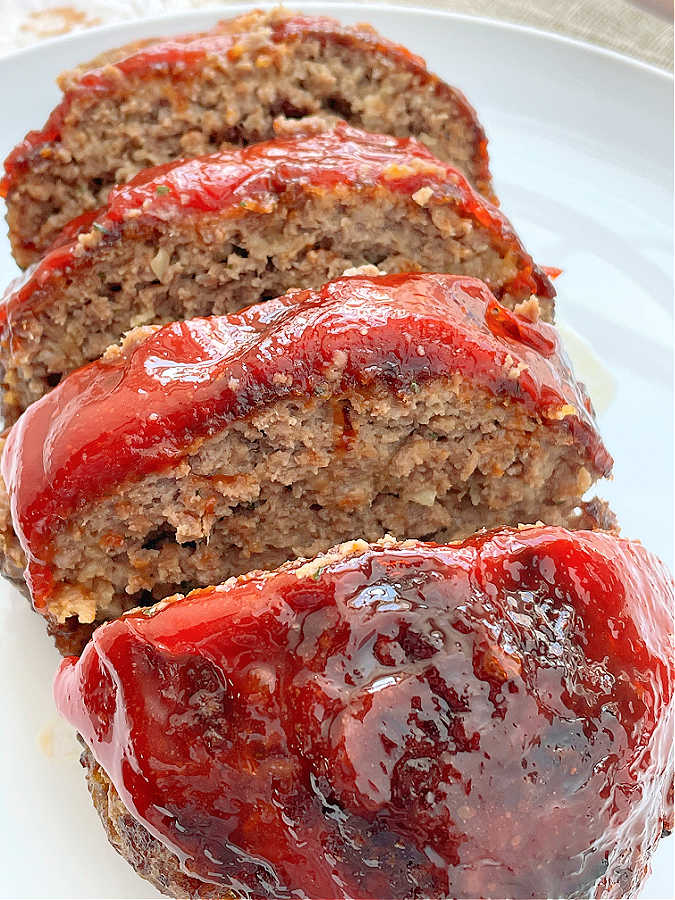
x,y
183,55
118,419
487,719
236,183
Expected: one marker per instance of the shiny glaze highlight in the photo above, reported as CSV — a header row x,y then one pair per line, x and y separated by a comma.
x,y
491,718
118,419
237,183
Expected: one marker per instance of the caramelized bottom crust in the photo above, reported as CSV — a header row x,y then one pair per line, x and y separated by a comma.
x,y
148,856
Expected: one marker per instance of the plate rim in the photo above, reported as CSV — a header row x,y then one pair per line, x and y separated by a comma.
x,y
606,58
229,11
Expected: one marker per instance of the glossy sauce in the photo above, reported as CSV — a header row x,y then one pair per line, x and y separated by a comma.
x,y
183,55
119,419
488,719
236,183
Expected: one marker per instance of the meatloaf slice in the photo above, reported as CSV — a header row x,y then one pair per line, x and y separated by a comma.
x,y
216,234
150,103
340,727
415,404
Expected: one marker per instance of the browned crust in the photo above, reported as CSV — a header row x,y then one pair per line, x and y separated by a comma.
x,y
148,856
595,515
70,637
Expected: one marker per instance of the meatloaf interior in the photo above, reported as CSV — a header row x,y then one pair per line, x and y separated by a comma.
x,y
158,274
233,98
303,474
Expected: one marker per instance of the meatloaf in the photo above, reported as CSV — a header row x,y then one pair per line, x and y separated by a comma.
x,y
415,404
160,100
216,234
487,719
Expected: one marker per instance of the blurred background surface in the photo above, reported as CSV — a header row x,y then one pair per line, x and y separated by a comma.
x,y
638,28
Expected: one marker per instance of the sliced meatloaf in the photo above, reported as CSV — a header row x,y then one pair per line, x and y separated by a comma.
x,y
160,100
367,723
415,404
216,234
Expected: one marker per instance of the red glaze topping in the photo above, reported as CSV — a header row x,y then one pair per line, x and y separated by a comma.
x,y
178,54
239,182
552,272
182,56
119,419
486,719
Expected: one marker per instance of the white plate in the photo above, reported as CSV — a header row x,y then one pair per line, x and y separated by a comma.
x,y
581,148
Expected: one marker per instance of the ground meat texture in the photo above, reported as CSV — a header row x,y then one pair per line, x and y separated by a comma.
x,y
415,404
217,234
399,720
150,103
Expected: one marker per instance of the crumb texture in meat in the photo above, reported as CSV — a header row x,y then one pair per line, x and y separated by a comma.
x,y
215,234
414,404
261,74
